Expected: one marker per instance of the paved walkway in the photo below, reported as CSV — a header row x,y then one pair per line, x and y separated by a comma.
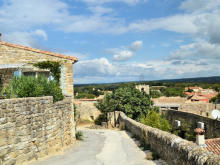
x,y
102,147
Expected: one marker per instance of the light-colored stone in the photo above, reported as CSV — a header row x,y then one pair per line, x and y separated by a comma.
x,y
35,134
87,109
171,148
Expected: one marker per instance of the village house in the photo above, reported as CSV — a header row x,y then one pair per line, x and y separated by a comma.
x,y
16,60
198,94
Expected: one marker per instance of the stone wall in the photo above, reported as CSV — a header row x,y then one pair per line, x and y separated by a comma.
x,y
87,109
173,149
31,128
212,127
199,108
203,109
13,55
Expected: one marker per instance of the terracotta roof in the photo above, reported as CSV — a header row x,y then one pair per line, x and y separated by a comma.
x,y
75,59
189,93
213,145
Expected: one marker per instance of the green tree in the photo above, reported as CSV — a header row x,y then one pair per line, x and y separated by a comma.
x,y
154,119
216,99
131,101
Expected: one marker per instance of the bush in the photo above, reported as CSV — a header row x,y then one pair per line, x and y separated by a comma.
x,y
79,135
32,87
154,119
101,118
85,96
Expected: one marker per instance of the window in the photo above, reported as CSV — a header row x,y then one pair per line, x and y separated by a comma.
x,y
17,73
29,74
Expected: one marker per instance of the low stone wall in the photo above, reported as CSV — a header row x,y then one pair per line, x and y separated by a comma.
x,y
31,128
87,109
212,127
173,149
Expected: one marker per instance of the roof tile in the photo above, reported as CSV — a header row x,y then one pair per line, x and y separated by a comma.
x,y
75,59
213,145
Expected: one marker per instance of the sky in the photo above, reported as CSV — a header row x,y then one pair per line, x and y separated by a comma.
x,y
121,40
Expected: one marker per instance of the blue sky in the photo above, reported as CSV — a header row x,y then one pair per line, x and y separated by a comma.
x,y
121,40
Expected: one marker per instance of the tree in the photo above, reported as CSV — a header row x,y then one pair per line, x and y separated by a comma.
x,y
131,101
154,119
215,99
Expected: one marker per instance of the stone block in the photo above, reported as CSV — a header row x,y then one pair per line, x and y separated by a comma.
x,y
3,151
10,162
3,142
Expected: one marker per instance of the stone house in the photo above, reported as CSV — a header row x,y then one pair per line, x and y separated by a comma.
x,y
143,88
14,58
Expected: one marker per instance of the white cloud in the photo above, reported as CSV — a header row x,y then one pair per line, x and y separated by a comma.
x,y
100,10
130,2
197,51
179,23
41,33
95,67
101,70
25,38
24,14
123,55
136,45
199,5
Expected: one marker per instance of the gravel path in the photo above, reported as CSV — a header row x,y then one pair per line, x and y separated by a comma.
x,y
102,147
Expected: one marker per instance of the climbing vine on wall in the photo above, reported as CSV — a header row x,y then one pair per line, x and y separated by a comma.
x,y
53,66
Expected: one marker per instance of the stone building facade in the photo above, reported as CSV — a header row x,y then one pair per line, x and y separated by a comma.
x,y
13,54
144,88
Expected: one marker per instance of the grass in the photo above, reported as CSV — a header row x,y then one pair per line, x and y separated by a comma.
x,y
79,135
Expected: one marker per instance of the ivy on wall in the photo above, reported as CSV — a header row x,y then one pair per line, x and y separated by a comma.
x,y
53,66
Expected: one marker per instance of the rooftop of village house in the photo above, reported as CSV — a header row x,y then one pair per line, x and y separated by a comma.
x,y
74,59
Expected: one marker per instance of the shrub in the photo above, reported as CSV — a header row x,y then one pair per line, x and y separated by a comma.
x,y
79,135
154,119
85,95
32,87
101,118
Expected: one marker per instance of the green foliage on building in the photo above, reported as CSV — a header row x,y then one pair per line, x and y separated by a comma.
x,y
53,66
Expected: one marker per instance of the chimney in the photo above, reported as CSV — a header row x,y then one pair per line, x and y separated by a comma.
x,y
0,37
200,137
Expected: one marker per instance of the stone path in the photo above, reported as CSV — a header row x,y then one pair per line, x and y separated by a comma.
x,y
102,147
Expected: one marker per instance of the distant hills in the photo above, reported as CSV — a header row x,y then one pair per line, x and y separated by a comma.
x,y
213,79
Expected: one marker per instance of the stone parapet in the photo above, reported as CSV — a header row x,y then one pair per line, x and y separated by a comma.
x,y
173,149
212,126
